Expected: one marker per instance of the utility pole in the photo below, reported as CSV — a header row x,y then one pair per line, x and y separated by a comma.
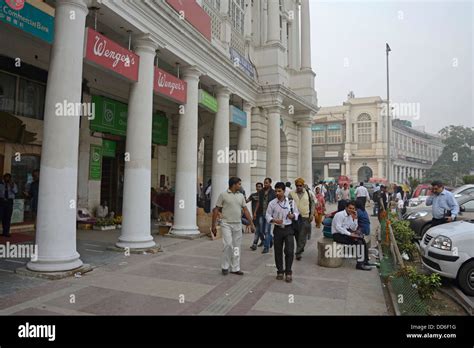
x,y
389,122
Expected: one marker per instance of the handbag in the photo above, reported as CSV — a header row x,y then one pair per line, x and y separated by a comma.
x,y
295,225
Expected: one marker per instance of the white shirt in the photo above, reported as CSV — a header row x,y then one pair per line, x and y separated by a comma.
x,y
400,204
287,191
279,210
361,191
342,222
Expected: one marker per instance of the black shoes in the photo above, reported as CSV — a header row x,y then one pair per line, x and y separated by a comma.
x,y
279,276
288,278
238,273
363,267
225,271
298,257
260,245
253,247
265,251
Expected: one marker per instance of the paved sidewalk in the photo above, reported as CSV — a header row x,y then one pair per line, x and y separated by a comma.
x,y
186,279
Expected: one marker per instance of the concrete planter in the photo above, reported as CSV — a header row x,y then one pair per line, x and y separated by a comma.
x,y
105,228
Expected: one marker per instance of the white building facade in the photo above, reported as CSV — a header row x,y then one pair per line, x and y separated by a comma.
x,y
351,140
175,85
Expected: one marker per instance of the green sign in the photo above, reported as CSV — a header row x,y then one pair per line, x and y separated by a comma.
x,y
318,127
95,163
159,133
207,101
108,148
110,116
334,126
29,19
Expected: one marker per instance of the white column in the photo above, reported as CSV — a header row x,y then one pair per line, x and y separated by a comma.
x,y
186,160
306,152
380,169
305,36
136,229
348,169
326,171
248,20
296,31
273,143
244,144
343,169
56,222
273,32
220,169
284,39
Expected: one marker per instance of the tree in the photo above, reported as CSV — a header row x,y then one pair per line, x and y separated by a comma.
x,y
468,179
457,158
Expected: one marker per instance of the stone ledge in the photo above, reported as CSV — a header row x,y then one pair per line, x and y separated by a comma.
x,y
189,237
153,250
54,275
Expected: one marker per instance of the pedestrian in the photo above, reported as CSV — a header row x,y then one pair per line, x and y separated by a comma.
x,y
375,198
344,230
330,192
320,208
207,195
230,204
8,190
363,219
282,212
264,197
287,188
33,193
352,191
346,193
305,203
382,210
339,193
444,207
258,230
362,193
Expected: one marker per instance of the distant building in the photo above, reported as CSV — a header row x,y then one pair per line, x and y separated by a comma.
x,y
351,140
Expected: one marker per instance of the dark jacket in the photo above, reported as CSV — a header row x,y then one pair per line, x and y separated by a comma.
x,y
271,196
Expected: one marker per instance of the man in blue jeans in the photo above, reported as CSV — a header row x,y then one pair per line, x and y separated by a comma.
x,y
265,196
258,233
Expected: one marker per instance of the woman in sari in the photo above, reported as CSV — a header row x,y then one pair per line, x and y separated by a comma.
x,y
320,207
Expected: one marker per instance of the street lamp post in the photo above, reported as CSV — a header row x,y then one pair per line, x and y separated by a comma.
x,y
389,123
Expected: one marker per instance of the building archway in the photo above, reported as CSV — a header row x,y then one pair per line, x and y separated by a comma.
x,y
364,174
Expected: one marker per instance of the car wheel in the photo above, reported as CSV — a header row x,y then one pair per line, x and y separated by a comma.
x,y
466,278
424,229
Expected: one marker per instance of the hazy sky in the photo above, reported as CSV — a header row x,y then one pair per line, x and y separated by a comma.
x,y
431,62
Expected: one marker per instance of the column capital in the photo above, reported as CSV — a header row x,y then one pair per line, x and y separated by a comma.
x,y
304,124
248,106
223,91
81,4
276,108
191,73
144,42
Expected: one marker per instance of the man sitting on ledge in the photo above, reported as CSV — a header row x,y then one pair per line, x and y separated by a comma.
x,y
344,227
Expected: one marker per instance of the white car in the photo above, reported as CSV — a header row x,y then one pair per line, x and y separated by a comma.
x,y
448,250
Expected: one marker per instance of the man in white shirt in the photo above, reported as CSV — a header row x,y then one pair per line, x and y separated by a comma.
x,y
362,193
287,188
343,229
282,212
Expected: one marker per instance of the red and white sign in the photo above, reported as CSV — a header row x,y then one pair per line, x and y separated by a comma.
x,y
17,5
169,86
194,14
105,53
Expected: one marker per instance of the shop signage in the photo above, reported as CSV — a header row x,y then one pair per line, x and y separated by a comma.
x,y
170,87
95,163
334,166
207,101
106,54
110,116
243,63
334,126
28,18
190,11
238,116
108,148
159,133
331,154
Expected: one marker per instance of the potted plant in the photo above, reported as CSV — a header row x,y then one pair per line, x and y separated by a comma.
x,y
103,224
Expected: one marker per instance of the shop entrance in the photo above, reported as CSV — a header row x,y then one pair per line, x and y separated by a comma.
x,y
111,188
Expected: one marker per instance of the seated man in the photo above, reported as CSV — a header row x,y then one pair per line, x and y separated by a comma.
x,y
344,227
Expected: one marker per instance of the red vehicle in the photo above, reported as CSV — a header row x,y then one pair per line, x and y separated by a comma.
x,y
343,180
422,190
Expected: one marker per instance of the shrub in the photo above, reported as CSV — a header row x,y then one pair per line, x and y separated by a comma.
x,y
404,236
426,285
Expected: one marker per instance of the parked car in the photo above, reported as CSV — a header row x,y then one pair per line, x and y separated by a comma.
x,y
458,192
421,193
449,251
420,218
464,190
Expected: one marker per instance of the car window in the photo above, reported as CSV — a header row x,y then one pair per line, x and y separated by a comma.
x,y
468,191
469,205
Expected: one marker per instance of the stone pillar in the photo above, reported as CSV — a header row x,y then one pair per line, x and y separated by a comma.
x,y
56,222
273,20
244,144
305,36
326,171
380,169
284,38
186,160
136,229
220,165
273,143
306,152
248,20
343,169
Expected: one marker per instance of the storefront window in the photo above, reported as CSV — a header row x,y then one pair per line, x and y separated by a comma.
x,y
31,99
7,92
22,175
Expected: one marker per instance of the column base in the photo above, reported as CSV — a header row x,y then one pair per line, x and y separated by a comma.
x,y
54,265
133,244
184,231
24,271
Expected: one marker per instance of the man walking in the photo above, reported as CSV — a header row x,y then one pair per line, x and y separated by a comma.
x,y
305,203
230,204
265,196
282,212
8,190
362,193
375,198
445,207
258,230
